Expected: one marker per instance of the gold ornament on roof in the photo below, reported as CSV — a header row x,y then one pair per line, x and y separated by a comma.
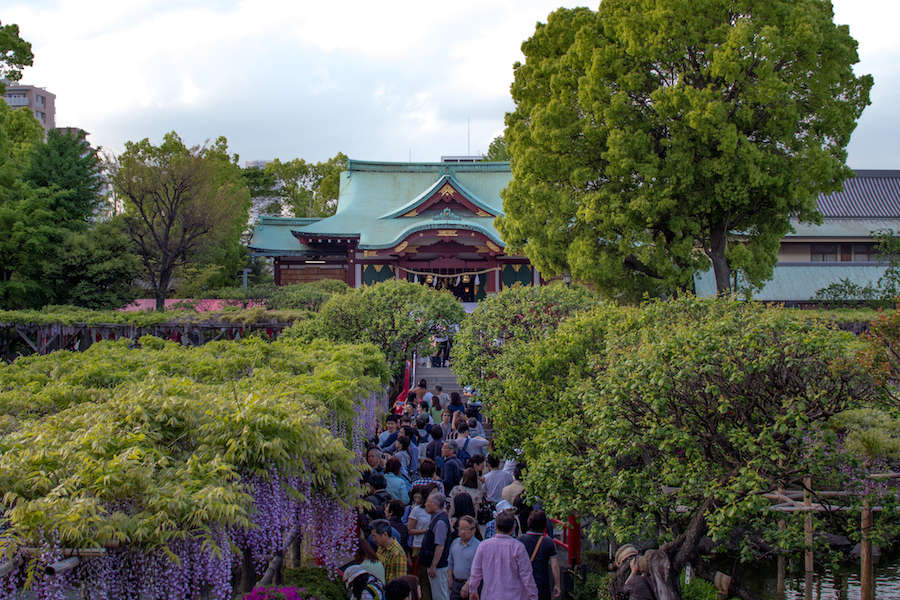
x,y
413,213
401,247
447,190
482,213
493,246
446,233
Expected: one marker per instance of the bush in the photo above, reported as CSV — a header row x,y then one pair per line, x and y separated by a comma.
x,y
318,582
281,593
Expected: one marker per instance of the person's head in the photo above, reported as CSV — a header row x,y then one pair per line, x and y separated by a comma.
x,y
381,533
449,449
462,429
373,457
408,409
392,466
455,399
391,423
467,527
437,433
423,384
438,388
418,495
472,422
435,502
537,521
458,419
493,461
377,481
410,398
350,573
403,442
505,522
423,408
519,471
422,421
470,478
624,553
504,506
476,461
462,505
427,468
364,551
395,508
446,415
397,589
409,431
413,582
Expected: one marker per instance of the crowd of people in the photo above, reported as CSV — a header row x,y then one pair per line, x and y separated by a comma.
x,y
447,519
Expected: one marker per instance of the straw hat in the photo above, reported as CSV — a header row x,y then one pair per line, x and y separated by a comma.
x,y
624,553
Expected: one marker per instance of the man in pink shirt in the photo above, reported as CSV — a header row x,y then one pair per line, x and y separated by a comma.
x,y
503,565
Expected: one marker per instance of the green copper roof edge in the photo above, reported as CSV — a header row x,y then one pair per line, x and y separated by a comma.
x,y
431,190
436,225
292,220
368,165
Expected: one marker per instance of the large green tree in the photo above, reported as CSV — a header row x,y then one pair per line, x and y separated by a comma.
x,y
653,139
671,421
183,206
66,160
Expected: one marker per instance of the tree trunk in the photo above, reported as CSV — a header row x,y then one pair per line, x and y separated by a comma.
x,y
716,253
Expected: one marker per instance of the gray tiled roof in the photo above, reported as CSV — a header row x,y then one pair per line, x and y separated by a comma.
x,y
871,194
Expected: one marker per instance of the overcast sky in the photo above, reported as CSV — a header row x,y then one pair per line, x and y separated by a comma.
x,y
385,81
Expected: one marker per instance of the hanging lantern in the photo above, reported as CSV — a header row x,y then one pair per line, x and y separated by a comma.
x,y
466,279
429,280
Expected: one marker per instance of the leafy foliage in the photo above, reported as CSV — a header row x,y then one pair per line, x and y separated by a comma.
x,y
161,447
318,582
68,162
183,206
701,404
398,317
308,190
71,315
15,53
652,139
499,324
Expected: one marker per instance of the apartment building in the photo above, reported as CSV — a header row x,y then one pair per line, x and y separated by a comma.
x,y
41,102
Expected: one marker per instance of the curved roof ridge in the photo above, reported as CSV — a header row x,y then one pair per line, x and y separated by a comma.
x,y
445,178
420,226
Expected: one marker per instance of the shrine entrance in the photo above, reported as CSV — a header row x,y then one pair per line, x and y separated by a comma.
x,y
466,284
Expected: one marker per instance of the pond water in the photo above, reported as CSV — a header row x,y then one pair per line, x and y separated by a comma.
x,y
831,582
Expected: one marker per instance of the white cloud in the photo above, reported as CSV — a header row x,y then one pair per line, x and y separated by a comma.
x,y
292,79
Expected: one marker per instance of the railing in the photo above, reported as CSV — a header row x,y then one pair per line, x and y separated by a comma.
x,y
18,101
571,539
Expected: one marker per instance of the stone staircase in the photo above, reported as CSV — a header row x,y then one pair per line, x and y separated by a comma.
x,y
443,376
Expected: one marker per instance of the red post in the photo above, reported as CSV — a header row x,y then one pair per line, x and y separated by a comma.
x,y
574,541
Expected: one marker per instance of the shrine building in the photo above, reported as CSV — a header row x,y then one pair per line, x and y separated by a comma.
x,y
432,223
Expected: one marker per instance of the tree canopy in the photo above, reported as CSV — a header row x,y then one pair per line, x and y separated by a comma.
x,y
398,317
653,139
15,54
698,404
309,190
183,205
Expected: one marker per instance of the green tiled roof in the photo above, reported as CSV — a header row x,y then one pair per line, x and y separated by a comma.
x,y
374,195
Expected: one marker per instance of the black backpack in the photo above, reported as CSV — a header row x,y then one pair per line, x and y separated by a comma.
x,y
462,455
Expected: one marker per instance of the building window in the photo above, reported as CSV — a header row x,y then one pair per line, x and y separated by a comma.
x,y
864,253
823,252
